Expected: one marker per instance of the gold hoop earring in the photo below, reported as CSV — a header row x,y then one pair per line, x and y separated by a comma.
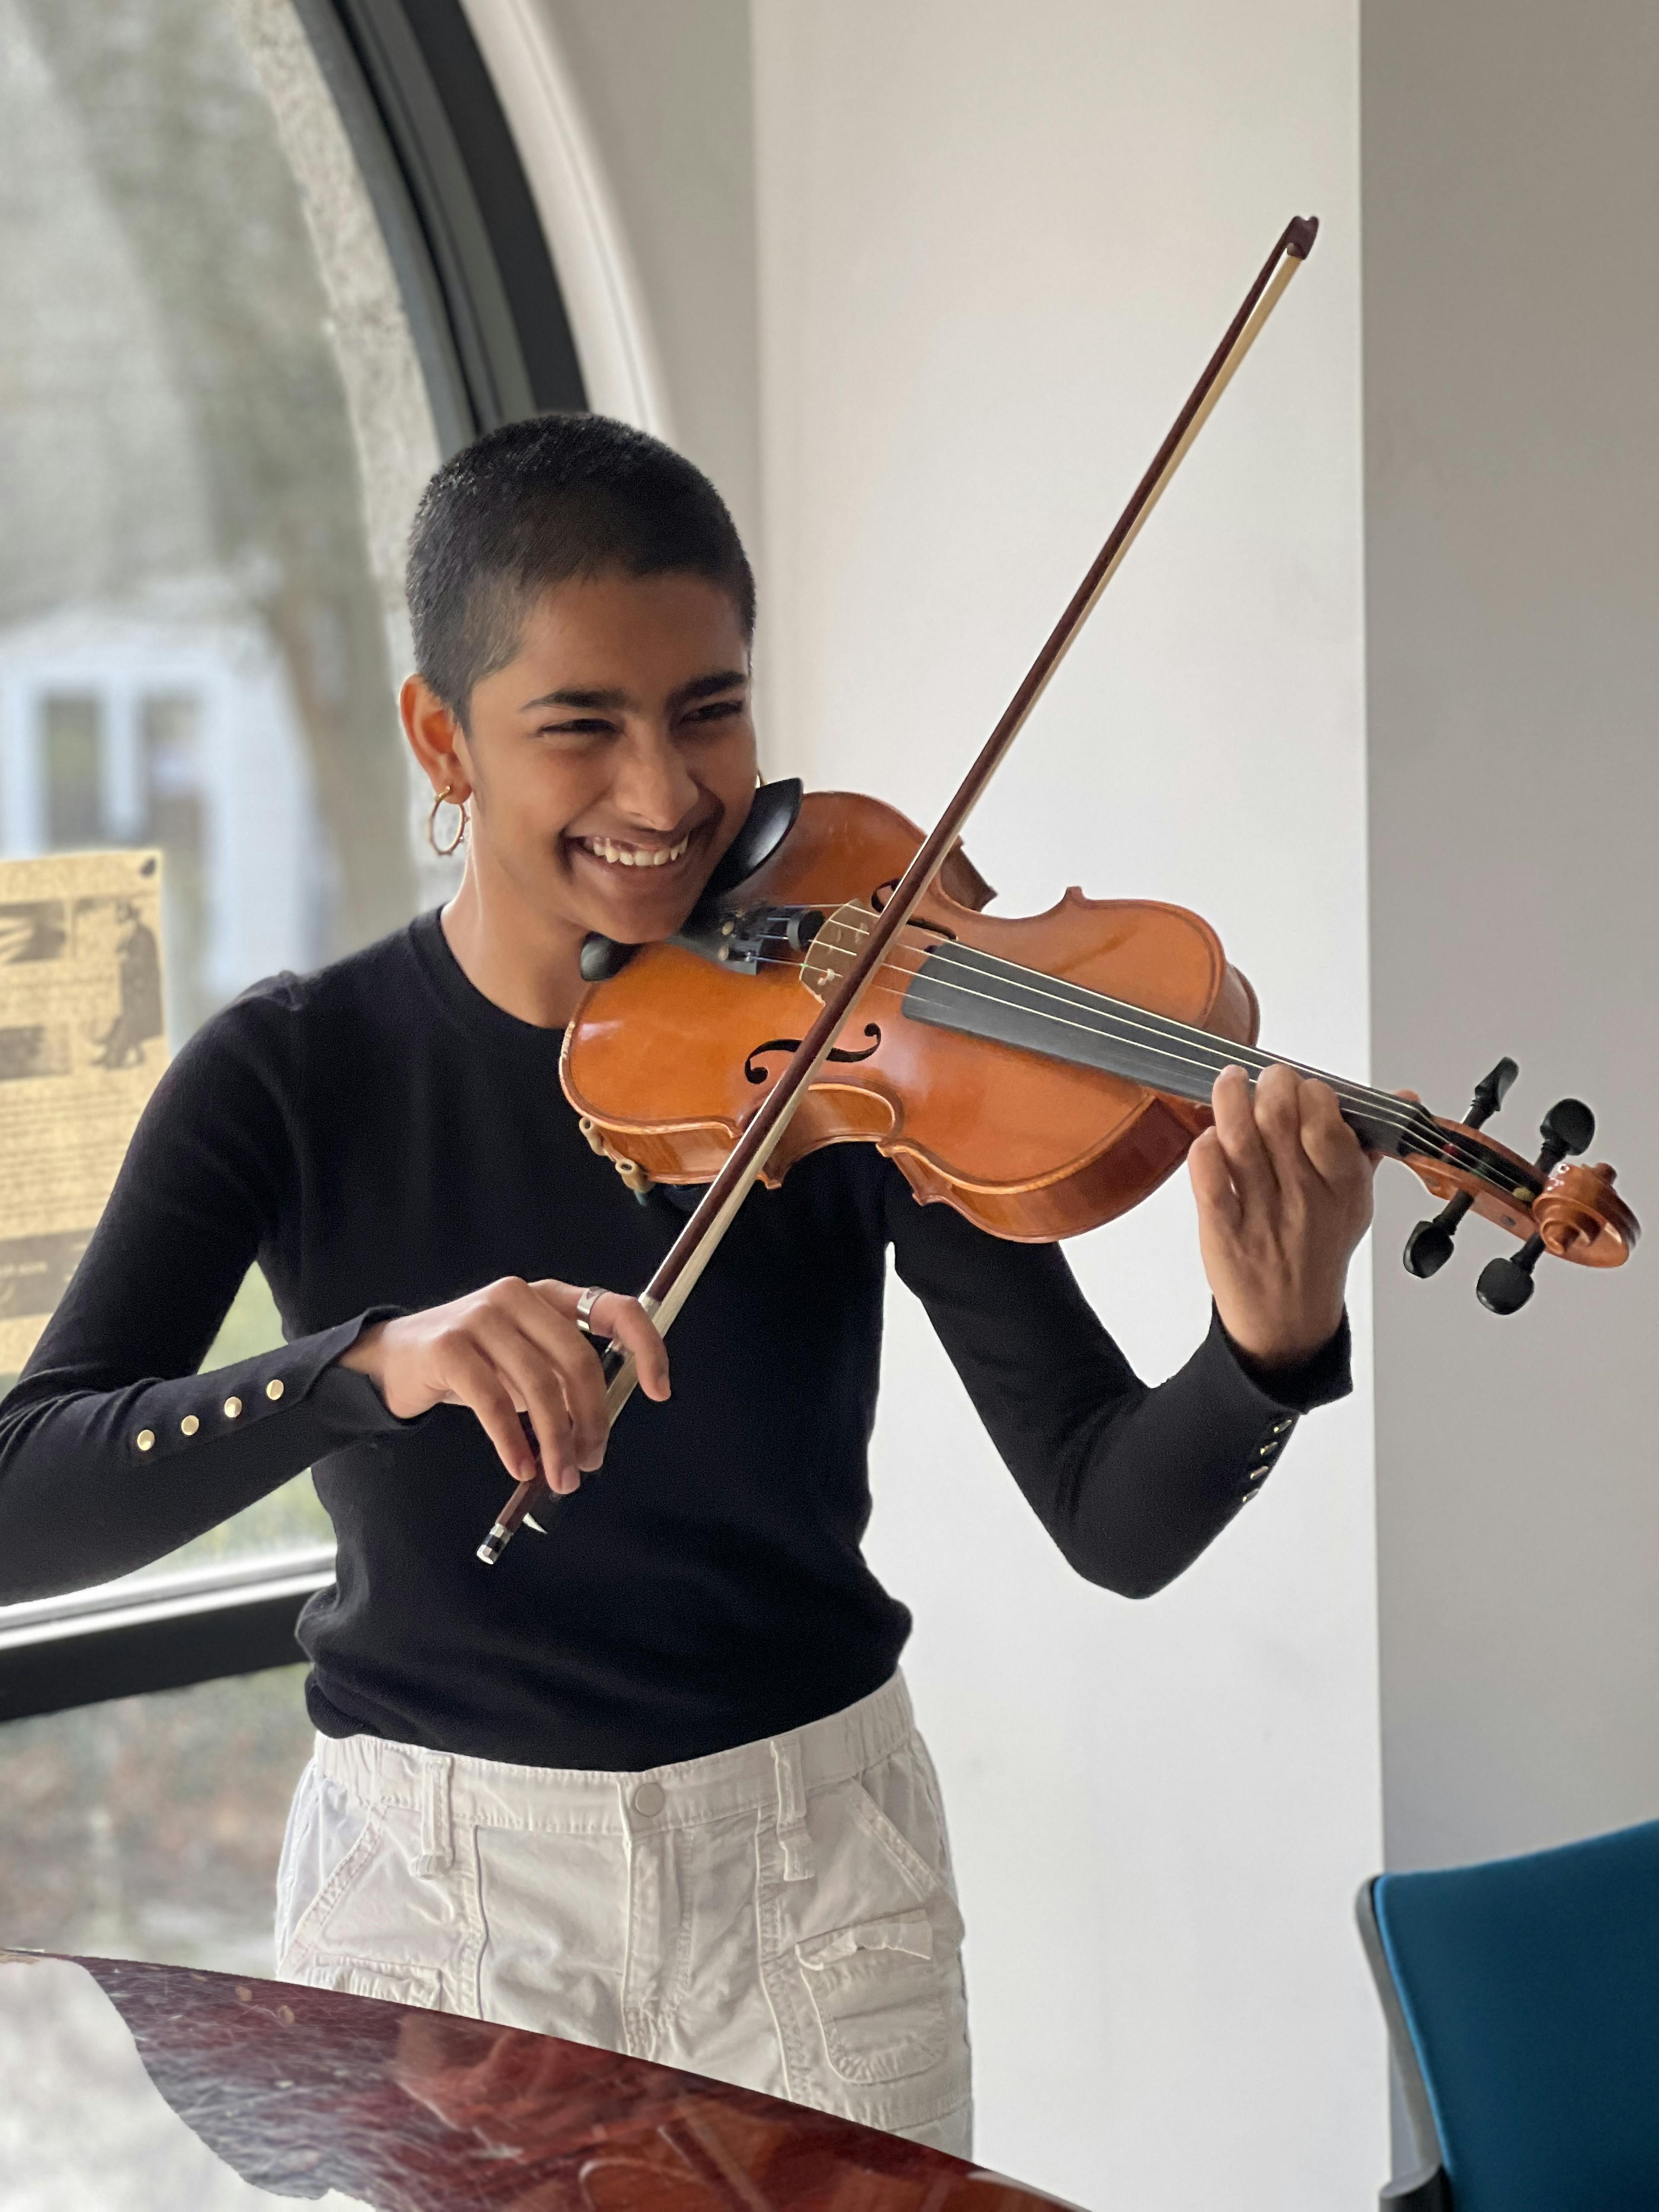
x,y
446,851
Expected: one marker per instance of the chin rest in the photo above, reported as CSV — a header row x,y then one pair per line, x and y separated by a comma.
x,y
770,818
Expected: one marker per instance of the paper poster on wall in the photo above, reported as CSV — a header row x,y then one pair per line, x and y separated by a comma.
x,y
82,1044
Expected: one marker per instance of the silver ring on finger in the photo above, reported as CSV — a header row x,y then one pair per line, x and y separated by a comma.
x,y
584,1306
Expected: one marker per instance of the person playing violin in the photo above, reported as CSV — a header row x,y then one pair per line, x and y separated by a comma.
x,y
654,1781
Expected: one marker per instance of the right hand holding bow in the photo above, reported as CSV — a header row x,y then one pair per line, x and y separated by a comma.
x,y
513,1348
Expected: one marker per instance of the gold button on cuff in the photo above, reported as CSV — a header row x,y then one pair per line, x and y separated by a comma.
x,y
189,1424
233,1407
145,1439
274,1388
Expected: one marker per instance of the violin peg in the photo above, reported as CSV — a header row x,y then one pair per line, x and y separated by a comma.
x,y
1506,1285
1490,1092
1567,1129
1430,1244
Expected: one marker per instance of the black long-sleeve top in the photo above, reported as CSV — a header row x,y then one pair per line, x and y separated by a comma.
x,y
382,1138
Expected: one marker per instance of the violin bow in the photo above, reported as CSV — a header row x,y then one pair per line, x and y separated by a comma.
x,y
695,1245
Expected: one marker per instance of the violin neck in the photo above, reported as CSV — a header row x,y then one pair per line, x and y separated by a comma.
x,y
974,993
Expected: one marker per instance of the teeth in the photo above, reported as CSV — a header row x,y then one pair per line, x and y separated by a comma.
x,y
634,856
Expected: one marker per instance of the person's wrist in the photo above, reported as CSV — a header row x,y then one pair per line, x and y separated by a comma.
x,y
363,1355
1275,1351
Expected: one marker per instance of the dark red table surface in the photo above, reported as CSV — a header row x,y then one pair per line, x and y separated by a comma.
x,y
303,2091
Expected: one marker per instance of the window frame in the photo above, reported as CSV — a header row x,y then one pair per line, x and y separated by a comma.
x,y
495,345
159,1633
444,176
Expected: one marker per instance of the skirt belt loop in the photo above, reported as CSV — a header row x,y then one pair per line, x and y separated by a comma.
x,y
437,1832
792,1809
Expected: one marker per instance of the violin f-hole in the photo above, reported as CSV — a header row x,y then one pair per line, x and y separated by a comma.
x,y
756,1074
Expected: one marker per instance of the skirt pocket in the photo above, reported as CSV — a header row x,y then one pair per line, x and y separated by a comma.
x,y
376,1929
879,1996
868,1983
301,1923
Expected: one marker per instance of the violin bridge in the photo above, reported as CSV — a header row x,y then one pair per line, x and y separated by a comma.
x,y
834,948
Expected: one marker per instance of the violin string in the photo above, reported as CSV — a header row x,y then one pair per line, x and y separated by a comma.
x,y
1380,1104
1163,1030
1427,1139
1394,1113
1431,1140
1164,1027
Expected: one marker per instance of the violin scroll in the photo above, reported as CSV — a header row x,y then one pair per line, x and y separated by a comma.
x,y
1563,1212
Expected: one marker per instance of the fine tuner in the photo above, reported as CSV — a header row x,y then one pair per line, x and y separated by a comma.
x,y
1565,1205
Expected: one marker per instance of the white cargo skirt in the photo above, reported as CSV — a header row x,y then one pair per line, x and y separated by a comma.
x,y
781,1914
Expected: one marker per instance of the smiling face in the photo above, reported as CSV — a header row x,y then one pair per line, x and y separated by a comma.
x,y
610,763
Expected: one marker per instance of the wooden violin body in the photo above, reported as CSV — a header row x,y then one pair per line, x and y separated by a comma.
x,y
669,1059
1042,1074
662,1061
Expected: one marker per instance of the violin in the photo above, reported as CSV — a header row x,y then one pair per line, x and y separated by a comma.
x,y
840,980
1042,1074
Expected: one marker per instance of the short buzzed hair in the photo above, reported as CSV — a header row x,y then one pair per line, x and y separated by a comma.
x,y
533,505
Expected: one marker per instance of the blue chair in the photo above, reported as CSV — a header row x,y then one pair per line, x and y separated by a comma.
x,y
1523,2002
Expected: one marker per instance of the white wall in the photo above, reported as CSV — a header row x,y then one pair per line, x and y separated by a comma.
x,y
1512,438
996,247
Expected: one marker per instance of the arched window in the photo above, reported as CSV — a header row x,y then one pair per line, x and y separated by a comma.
x,y
267,262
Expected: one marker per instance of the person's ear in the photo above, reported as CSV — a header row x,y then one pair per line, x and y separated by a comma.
x,y
435,738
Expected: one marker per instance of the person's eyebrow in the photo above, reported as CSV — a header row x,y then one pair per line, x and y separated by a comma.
x,y
705,687
596,701
700,687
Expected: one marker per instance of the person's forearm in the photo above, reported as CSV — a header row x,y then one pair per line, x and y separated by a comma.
x,y
94,1484
1151,1484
